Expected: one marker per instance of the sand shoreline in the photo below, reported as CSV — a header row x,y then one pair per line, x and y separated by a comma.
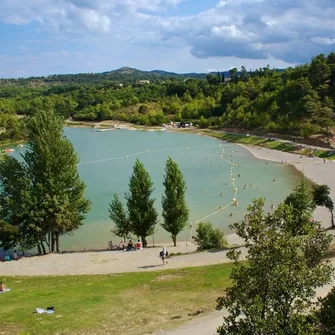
x,y
315,169
107,262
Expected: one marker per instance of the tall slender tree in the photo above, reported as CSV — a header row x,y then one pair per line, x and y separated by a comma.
x,y
175,210
119,216
52,194
142,213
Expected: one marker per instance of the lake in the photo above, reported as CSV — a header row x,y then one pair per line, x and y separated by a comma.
x,y
106,162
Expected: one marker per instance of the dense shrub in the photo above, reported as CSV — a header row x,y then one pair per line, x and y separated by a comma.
x,y
207,237
326,314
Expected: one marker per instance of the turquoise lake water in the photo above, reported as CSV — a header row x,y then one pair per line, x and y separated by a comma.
x,y
106,162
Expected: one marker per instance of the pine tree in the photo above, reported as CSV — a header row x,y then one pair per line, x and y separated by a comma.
x,y
142,214
119,216
175,210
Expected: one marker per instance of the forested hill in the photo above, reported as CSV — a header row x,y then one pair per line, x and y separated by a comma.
x,y
124,75
297,101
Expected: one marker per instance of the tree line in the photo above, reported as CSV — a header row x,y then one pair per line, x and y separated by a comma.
x,y
141,216
42,196
297,100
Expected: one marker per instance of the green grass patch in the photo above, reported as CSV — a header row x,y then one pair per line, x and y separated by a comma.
x,y
132,303
266,143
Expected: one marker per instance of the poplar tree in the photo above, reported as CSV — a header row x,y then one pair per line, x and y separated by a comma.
x,y
50,192
119,216
142,214
175,210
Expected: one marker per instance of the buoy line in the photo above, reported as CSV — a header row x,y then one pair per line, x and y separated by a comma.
x,y
234,201
145,152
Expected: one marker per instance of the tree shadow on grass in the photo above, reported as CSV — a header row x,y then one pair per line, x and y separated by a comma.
x,y
150,266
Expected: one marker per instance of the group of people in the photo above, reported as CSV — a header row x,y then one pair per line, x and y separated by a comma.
x,y
138,246
14,257
131,246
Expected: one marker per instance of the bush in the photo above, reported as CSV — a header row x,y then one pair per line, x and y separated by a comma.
x,y
326,314
209,238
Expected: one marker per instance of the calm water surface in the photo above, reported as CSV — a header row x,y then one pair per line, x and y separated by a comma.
x,y
106,162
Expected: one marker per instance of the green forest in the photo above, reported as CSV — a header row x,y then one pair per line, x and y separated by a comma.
x,y
298,101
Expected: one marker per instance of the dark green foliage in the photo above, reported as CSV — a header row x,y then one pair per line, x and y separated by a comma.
x,y
321,196
175,210
302,203
297,100
326,314
208,237
9,235
119,216
43,195
272,293
142,213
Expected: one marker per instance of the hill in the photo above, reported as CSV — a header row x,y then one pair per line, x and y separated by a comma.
x,y
124,75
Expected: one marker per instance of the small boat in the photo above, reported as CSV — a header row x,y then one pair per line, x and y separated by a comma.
x,y
8,150
20,145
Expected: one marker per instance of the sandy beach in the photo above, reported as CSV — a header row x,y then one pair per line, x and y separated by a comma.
x,y
313,168
106,262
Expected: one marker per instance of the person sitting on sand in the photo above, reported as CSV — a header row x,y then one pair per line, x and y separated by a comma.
x,y
15,256
138,245
122,245
130,245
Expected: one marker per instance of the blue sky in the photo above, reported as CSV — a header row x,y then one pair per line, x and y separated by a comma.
x,y
42,37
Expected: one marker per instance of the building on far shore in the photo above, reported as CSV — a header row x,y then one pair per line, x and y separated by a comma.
x,y
185,125
143,82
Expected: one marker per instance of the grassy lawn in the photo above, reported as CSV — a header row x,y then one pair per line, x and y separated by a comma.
x,y
133,303
264,142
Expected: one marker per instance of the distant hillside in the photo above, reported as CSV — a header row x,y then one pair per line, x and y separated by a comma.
x,y
124,75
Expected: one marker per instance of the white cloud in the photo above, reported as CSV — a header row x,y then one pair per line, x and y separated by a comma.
x,y
249,32
323,40
291,30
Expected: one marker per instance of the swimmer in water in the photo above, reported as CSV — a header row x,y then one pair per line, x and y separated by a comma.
x,y
273,180
238,175
221,195
231,214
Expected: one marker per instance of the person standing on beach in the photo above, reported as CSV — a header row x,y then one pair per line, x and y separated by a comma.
x,y
163,255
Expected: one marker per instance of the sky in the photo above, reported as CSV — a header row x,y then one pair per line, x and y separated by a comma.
x,y
44,37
